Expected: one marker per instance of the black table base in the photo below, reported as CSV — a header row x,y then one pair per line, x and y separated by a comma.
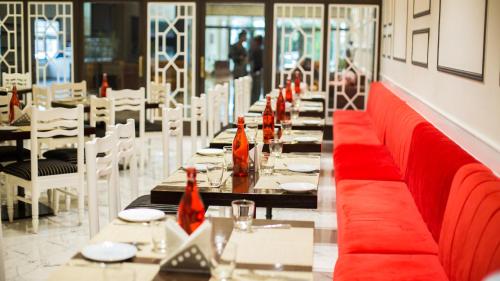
x,y
23,211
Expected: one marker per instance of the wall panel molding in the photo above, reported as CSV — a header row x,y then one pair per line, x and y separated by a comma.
x,y
399,44
421,8
420,47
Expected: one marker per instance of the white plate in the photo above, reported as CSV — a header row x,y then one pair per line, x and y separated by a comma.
x,y
311,108
298,186
198,166
8,128
312,122
253,114
210,151
109,251
301,168
305,139
141,215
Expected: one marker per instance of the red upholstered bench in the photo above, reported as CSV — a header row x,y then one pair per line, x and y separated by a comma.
x,y
469,244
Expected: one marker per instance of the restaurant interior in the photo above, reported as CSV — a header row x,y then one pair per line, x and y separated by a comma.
x,y
267,140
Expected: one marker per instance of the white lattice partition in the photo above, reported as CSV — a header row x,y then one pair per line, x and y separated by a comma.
x,y
172,22
352,29
50,38
11,37
297,43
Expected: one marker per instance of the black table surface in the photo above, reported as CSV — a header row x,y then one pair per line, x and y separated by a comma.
x,y
20,91
24,135
86,105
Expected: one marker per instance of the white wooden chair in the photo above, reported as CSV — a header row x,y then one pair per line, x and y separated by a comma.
x,y
74,90
40,175
225,103
42,97
198,114
159,93
101,156
213,112
247,92
131,100
4,107
172,126
239,108
101,110
2,262
127,156
21,80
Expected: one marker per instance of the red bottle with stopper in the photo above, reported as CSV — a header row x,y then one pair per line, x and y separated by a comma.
x,y
280,107
191,212
104,85
268,121
240,150
14,102
297,82
289,94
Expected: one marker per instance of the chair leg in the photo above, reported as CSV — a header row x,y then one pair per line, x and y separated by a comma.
x,y
34,209
56,201
81,203
10,201
68,200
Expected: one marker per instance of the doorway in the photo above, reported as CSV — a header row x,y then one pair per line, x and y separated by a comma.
x,y
113,44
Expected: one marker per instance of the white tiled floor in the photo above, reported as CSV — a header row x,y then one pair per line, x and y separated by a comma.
x,y
33,256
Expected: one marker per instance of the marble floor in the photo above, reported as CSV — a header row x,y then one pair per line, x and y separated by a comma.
x,y
31,257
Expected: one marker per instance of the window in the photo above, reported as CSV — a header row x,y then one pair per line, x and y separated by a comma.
x,y
46,39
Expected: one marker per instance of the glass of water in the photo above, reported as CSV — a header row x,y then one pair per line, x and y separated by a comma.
x,y
159,235
276,147
215,172
266,165
295,112
286,127
251,130
243,212
228,157
223,260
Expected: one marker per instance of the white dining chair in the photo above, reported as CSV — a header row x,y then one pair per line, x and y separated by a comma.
x,y
42,97
239,108
132,101
224,88
21,80
4,107
172,127
127,157
198,114
3,277
159,93
101,110
213,112
72,90
247,92
39,175
101,156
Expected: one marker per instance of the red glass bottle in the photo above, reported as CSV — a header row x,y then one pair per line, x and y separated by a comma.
x,y
240,150
268,121
280,107
297,82
104,85
14,102
289,94
191,212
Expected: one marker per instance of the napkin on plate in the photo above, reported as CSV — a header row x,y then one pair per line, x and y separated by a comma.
x,y
189,253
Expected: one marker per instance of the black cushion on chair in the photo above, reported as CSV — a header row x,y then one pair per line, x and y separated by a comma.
x,y
46,167
66,155
8,153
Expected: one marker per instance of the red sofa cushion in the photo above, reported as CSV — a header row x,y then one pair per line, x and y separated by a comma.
x,y
469,246
354,134
383,267
364,162
399,132
380,217
351,117
433,161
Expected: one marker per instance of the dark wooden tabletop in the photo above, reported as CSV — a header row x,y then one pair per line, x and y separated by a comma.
x,y
26,134
20,91
86,105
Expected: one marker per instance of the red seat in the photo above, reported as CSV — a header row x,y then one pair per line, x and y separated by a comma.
x,y
469,246
352,117
380,217
364,162
346,134
433,162
387,267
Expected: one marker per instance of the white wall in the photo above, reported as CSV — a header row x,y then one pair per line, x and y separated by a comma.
x,y
467,106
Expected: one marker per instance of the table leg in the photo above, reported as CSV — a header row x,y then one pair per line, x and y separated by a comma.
x,y
269,213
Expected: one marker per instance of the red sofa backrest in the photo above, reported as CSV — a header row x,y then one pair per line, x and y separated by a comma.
x,y
433,162
469,246
382,104
399,132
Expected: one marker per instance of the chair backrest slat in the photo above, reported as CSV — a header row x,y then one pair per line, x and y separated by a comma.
x,y
21,80
198,114
172,126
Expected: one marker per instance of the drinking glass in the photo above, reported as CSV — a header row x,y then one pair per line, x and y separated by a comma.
x,y
159,235
286,127
228,157
295,112
215,171
276,147
243,212
266,165
251,130
223,260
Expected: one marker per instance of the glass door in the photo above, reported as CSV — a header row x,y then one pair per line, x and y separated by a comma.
x,y
113,44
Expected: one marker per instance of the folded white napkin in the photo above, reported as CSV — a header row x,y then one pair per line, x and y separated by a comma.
x,y
178,239
255,153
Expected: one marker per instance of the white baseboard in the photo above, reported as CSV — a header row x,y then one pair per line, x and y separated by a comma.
x,y
479,146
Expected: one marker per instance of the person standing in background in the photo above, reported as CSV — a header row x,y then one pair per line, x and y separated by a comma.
x,y
256,59
239,55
